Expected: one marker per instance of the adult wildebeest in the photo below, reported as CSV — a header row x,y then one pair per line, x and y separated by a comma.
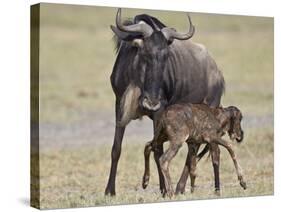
x,y
157,66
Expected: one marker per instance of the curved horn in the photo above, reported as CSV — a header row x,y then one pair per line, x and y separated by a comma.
x,y
170,33
141,27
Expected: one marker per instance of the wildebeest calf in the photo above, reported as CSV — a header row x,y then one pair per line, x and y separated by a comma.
x,y
194,124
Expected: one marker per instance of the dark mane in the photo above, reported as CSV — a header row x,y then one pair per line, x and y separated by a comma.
x,y
116,39
150,20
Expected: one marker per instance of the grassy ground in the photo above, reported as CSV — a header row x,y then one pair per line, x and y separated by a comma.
x,y
75,178
76,59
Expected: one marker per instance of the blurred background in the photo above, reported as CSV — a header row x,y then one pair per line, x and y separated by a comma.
x,y
77,106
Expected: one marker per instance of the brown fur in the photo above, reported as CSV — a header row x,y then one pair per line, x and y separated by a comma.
x,y
194,124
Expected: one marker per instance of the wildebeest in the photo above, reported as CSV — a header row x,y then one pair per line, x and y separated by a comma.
x,y
194,123
156,66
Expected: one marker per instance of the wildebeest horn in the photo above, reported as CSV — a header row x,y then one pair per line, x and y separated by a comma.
x,y
170,33
141,27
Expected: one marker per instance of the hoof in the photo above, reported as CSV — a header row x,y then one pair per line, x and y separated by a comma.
x,y
168,194
163,191
192,189
180,189
109,193
243,185
145,181
217,192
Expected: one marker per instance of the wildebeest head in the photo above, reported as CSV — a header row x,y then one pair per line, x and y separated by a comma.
x,y
235,117
151,40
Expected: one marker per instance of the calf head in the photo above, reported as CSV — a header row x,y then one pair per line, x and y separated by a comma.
x,y
230,120
234,117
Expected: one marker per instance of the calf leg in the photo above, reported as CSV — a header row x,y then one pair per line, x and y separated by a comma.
x,y
203,152
193,163
158,149
158,152
185,173
215,154
147,151
236,164
164,164
192,151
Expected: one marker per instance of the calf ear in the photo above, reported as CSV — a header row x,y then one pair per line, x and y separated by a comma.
x,y
224,122
220,115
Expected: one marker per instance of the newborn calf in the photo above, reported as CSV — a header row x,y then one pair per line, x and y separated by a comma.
x,y
194,124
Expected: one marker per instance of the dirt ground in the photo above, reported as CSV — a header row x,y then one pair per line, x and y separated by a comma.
x,y
98,129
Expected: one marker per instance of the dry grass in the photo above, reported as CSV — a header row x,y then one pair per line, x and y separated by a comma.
x,y
77,178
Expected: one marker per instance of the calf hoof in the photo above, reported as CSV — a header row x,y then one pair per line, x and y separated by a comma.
x,y
192,189
180,189
145,181
163,190
179,192
168,194
243,185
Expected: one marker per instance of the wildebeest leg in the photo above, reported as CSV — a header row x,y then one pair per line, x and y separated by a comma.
x,y
215,154
115,152
147,151
164,163
236,164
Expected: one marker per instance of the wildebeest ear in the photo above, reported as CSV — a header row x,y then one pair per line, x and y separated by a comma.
x,y
168,38
126,36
